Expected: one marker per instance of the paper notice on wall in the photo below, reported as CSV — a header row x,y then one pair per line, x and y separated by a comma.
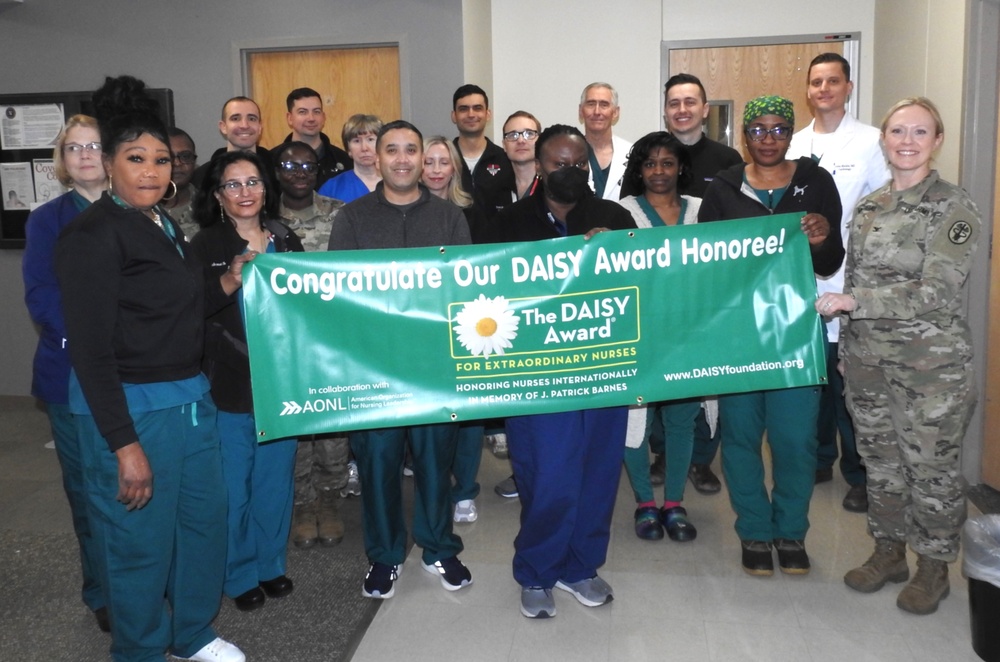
x,y
34,126
16,185
47,186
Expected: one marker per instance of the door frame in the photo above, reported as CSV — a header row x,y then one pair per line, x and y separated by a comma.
x,y
852,52
241,50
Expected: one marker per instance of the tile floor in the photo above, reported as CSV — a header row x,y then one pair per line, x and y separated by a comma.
x,y
673,601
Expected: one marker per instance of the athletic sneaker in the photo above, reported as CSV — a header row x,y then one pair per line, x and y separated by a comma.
x,y
454,574
592,592
465,511
217,650
507,488
380,582
353,487
498,445
537,602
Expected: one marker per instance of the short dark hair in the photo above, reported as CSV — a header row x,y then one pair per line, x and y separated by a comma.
x,y
175,132
124,111
684,79
237,98
632,183
293,144
397,124
206,208
823,58
301,93
553,131
465,91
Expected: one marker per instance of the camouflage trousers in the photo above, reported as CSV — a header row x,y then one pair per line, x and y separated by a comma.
x,y
910,425
320,465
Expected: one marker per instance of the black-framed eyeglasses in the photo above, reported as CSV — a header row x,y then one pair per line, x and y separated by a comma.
x,y
233,188
76,148
512,136
758,133
186,158
292,167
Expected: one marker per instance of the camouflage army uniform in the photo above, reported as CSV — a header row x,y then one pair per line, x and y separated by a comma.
x,y
907,351
320,464
184,217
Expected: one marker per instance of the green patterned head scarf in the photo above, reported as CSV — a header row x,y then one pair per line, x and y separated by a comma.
x,y
770,104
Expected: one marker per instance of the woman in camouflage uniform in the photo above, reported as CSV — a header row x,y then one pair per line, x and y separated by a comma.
x,y
907,356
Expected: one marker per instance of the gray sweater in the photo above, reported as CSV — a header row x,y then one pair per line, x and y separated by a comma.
x,y
372,222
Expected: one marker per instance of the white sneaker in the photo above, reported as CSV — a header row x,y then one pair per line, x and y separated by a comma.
x,y
465,511
498,445
353,487
218,650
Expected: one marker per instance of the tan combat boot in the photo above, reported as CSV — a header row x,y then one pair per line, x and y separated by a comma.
x,y
331,527
304,532
886,564
927,588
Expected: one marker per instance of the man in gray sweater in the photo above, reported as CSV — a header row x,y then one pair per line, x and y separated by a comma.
x,y
401,213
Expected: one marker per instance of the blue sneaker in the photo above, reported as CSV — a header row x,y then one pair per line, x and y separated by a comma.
x,y
380,582
454,574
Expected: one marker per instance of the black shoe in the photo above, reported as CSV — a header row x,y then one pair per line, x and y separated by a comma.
x,y
856,500
252,599
101,614
380,582
658,470
824,475
792,557
278,587
647,523
757,559
704,479
676,523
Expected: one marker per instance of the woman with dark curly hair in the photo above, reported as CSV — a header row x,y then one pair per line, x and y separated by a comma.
x,y
230,207
134,298
658,166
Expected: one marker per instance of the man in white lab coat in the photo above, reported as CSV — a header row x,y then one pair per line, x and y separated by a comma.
x,y
608,153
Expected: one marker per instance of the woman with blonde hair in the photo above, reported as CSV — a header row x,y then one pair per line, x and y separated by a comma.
x,y
906,353
77,159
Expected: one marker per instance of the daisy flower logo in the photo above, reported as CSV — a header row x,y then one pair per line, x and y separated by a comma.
x,y
486,326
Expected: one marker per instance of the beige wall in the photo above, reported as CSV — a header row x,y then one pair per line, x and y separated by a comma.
x,y
920,50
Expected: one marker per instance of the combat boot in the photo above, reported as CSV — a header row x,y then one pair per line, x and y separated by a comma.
x,y
927,588
331,527
886,564
304,530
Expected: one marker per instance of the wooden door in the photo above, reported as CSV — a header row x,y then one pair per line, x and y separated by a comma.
x,y
350,80
741,73
991,399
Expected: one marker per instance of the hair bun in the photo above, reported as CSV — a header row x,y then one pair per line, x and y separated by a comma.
x,y
124,95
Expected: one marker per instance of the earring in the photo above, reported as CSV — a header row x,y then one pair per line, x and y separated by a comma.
x,y
172,195
222,214
111,186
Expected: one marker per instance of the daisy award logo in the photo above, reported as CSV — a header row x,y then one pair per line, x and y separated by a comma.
x,y
486,326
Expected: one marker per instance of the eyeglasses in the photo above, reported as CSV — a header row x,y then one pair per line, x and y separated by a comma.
x,y
512,136
292,167
758,133
76,148
234,188
186,157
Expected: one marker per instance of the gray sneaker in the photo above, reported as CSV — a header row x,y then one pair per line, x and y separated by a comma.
x,y
507,488
592,592
537,602
353,487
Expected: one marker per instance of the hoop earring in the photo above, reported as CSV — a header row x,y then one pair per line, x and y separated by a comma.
x,y
172,195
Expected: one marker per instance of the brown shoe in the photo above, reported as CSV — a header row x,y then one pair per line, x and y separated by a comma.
x,y
331,527
886,564
927,588
304,529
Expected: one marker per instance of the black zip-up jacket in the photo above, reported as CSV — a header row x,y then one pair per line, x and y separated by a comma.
x,y
811,191
134,306
492,182
226,362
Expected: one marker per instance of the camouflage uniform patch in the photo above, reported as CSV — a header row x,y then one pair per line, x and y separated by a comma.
x,y
907,350
312,225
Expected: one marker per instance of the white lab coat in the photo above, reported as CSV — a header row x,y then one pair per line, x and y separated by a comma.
x,y
621,149
855,159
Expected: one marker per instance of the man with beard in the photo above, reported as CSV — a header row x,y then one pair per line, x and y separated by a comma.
x,y
487,174
568,463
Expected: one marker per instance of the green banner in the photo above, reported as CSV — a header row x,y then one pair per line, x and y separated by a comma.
x,y
353,340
